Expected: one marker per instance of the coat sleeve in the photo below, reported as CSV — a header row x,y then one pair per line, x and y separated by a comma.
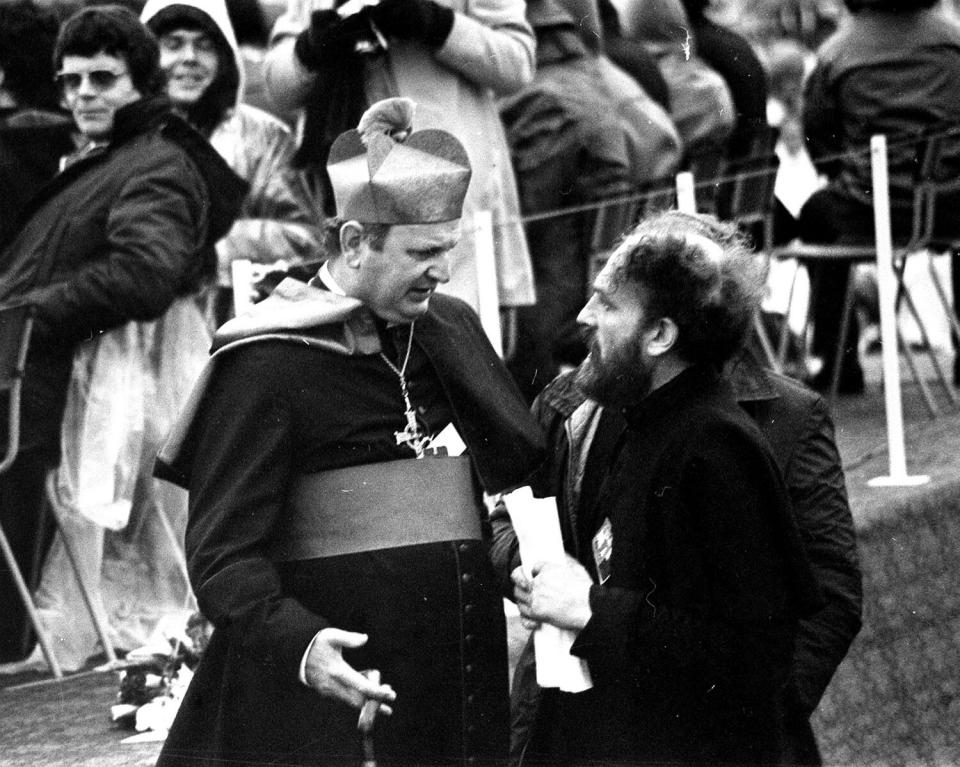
x,y
730,621
818,495
152,240
243,462
491,45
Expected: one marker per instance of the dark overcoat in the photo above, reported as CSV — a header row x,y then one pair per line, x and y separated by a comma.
x,y
691,637
278,408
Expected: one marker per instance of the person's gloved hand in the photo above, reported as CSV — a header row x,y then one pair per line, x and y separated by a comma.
x,y
329,38
422,20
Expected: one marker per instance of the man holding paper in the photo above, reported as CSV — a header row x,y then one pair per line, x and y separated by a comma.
x,y
684,576
334,528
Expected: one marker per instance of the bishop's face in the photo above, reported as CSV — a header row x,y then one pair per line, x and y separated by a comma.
x,y
397,281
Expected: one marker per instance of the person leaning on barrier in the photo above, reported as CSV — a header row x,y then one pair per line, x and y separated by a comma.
x,y
122,234
688,624
317,544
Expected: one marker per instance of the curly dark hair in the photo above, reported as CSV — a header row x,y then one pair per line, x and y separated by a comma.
x,y
701,273
890,6
27,35
116,31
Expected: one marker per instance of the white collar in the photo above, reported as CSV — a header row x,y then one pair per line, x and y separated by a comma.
x,y
327,279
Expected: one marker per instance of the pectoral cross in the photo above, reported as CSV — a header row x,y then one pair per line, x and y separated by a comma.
x,y
412,436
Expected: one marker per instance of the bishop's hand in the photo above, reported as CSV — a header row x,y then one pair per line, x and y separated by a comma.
x,y
329,674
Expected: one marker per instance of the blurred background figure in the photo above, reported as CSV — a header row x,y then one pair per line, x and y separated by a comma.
x,y
701,104
630,57
33,136
452,60
583,131
34,132
733,58
112,253
249,22
280,217
893,67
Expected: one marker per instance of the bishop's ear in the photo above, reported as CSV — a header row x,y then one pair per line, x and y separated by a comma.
x,y
351,238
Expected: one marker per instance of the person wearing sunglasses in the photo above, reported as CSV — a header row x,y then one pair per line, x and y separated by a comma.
x,y
111,253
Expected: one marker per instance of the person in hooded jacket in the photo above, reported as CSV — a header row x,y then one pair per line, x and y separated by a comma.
x,y
111,253
199,54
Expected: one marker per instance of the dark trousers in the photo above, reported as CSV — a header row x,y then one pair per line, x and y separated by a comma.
x,y
26,524
27,529
831,217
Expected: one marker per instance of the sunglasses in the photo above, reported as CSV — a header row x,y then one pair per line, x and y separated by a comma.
x,y
100,80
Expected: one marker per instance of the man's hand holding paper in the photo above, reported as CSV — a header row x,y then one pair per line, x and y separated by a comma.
x,y
558,594
551,589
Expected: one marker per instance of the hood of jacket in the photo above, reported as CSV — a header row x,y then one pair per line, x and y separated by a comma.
x,y
213,11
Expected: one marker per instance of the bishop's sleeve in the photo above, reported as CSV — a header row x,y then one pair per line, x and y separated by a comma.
x,y
242,467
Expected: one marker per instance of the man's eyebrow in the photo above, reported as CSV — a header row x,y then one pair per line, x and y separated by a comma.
x,y
429,250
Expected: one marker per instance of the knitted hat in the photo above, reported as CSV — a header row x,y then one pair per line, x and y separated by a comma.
x,y
383,174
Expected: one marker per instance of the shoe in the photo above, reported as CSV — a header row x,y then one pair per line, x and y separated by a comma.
x,y
851,382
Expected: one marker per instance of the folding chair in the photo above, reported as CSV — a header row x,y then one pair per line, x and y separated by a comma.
x,y
935,191
15,325
920,237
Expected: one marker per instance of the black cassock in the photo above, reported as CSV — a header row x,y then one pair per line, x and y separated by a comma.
x,y
275,410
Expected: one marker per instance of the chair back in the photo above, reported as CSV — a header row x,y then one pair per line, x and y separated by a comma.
x,y
937,199
746,196
16,323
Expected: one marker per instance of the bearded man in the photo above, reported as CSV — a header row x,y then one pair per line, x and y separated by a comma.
x,y
685,576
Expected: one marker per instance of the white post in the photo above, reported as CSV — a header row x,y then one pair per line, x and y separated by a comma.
x,y
887,285
686,194
241,278
488,297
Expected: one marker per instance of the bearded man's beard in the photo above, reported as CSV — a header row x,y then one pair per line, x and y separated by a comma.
x,y
623,378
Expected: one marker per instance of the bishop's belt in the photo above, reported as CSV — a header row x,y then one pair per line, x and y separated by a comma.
x,y
379,506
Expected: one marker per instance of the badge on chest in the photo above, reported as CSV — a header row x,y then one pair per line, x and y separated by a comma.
x,y
603,551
